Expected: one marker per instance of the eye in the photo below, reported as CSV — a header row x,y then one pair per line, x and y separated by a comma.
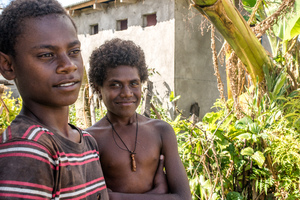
x,y
75,52
115,85
46,55
135,83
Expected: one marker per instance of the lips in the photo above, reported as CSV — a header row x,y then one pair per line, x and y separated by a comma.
x,y
125,102
66,84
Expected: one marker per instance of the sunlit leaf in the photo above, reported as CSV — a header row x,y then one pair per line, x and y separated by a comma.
x,y
259,158
246,136
243,123
247,151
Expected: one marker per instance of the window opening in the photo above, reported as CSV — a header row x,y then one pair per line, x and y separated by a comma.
x,y
94,29
122,25
149,20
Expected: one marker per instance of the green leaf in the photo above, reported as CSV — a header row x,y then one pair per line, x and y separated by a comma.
x,y
254,128
243,123
250,3
266,187
172,95
234,196
296,29
279,84
247,151
246,136
269,79
173,98
206,185
215,196
223,140
259,158
293,25
211,117
198,148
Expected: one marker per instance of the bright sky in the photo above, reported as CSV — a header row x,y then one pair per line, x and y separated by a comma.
x,y
66,2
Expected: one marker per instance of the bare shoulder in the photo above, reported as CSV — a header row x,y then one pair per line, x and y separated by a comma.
x,y
98,127
158,125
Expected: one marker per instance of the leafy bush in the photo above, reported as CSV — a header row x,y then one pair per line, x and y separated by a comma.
x,y
9,109
256,156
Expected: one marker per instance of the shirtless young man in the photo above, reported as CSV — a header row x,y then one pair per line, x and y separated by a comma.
x,y
41,155
130,144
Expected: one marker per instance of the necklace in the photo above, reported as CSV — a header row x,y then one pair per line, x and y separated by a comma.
x,y
132,153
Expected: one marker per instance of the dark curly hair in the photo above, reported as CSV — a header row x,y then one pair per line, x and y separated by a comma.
x,y
113,53
14,14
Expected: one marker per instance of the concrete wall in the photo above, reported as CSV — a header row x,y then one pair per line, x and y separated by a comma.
x,y
174,47
156,41
194,74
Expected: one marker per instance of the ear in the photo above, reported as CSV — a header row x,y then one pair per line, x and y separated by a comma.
x,y
6,68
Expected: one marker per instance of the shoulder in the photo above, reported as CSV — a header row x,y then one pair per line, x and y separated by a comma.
x,y
26,141
159,125
97,126
22,128
99,131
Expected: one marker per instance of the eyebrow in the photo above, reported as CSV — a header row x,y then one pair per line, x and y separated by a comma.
x,y
48,46
117,80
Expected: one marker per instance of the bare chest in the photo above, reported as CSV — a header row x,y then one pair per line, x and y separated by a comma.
x,y
117,163
116,151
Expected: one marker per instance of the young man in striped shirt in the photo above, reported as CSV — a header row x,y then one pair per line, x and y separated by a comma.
x,y
41,155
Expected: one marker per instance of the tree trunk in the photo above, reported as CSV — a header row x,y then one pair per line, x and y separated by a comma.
x,y
83,119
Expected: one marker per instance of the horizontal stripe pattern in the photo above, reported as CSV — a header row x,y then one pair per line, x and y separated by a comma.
x,y
47,169
25,191
82,189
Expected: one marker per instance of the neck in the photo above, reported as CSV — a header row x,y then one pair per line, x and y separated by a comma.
x,y
122,120
56,119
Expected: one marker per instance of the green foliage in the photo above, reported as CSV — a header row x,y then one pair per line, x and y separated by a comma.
x,y
286,28
13,105
72,114
234,196
258,154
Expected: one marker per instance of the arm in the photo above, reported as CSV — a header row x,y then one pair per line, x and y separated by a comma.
x,y
178,184
160,185
25,171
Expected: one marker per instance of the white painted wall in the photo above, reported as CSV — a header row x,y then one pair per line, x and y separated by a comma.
x,y
174,47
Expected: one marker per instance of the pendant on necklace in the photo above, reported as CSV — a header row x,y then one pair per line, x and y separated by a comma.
x,y
133,163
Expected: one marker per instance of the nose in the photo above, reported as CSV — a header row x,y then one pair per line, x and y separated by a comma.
x,y
126,92
65,64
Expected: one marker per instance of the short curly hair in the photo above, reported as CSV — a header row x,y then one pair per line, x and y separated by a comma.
x,y
16,12
113,53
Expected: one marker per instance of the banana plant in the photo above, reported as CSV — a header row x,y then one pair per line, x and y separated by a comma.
x,y
235,30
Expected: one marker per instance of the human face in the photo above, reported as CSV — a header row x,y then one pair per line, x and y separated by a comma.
x,y
121,91
48,65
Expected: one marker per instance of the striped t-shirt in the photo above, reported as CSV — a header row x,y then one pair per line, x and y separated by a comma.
x,y
37,163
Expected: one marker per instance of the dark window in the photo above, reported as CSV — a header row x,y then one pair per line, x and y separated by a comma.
x,y
149,20
122,25
94,29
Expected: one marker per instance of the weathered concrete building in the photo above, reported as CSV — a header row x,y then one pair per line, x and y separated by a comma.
x,y
169,33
